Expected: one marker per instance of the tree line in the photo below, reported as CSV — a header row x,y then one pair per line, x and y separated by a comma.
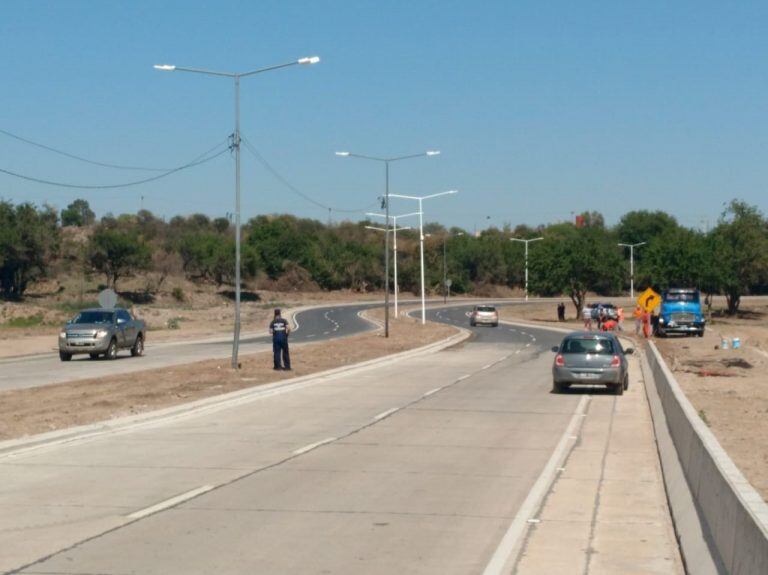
x,y
572,259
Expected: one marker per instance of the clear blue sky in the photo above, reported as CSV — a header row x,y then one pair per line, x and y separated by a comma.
x,y
540,109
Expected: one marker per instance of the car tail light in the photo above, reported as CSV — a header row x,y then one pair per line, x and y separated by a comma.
x,y
559,360
615,362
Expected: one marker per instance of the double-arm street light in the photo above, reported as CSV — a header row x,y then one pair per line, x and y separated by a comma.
x,y
632,266
394,243
420,199
236,147
526,259
386,162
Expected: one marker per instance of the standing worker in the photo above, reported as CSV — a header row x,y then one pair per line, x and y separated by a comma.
x,y
638,315
620,318
279,329
586,315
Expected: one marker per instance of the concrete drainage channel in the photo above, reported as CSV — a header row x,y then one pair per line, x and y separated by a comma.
x,y
720,520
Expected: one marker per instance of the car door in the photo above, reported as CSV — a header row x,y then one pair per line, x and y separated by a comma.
x,y
124,327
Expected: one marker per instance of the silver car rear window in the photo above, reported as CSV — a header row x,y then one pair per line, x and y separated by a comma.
x,y
588,345
485,308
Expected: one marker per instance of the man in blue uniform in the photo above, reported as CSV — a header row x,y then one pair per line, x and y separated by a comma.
x,y
279,329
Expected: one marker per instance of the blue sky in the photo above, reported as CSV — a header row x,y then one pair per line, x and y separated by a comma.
x,y
540,109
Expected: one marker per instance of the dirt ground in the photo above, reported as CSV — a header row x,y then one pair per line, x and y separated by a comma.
x,y
36,410
728,387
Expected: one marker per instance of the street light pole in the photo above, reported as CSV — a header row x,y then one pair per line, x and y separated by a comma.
x,y
236,147
445,264
420,199
526,242
386,162
632,266
394,245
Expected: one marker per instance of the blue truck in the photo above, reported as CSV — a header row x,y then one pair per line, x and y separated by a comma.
x,y
681,312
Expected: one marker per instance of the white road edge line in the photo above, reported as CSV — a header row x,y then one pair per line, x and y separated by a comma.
x,y
432,392
315,445
173,501
463,377
386,413
509,547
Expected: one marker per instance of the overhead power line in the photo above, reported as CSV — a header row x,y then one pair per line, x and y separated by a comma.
x,y
201,159
279,177
79,158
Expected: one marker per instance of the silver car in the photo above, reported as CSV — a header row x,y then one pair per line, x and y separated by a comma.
x,y
484,314
591,358
102,331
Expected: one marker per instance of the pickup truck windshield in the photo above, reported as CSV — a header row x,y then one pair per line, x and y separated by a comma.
x,y
94,317
689,296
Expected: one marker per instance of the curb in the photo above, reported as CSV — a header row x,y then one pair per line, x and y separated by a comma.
x,y
709,497
13,447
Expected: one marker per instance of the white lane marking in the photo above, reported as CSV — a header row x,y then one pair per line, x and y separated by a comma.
x,y
170,502
310,335
533,339
315,445
386,413
518,351
527,345
463,377
487,366
326,332
432,392
509,547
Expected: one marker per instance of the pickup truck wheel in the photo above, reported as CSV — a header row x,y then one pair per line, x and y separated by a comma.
x,y
112,350
64,356
138,346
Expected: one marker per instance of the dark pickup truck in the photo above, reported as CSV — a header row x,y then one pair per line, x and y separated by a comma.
x,y
102,331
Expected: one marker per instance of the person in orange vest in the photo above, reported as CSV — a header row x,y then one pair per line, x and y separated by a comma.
x,y
638,315
646,324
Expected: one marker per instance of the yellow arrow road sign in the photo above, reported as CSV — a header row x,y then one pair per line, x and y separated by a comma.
x,y
648,300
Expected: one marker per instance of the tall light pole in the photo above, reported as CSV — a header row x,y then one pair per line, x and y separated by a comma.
x,y
526,242
445,264
632,266
236,146
394,244
386,162
420,199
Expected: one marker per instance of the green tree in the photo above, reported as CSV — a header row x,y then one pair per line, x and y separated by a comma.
x,y
78,213
739,251
117,253
675,257
29,238
573,261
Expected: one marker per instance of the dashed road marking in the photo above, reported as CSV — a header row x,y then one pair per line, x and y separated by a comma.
x,y
312,446
386,413
173,501
432,392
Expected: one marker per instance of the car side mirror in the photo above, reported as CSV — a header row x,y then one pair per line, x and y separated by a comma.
x,y
629,350
556,348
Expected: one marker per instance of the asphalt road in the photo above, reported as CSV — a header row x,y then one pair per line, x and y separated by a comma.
x,y
45,369
415,466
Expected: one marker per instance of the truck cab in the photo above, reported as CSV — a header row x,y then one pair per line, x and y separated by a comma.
x,y
681,312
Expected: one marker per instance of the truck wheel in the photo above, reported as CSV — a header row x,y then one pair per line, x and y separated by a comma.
x,y
112,350
701,333
64,356
138,346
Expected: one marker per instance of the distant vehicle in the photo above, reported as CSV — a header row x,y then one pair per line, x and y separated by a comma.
x,y
590,358
102,331
681,312
610,310
484,314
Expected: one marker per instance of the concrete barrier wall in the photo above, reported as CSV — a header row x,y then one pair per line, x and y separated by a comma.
x,y
733,515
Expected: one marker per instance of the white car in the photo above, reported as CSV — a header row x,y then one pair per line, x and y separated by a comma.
x,y
484,314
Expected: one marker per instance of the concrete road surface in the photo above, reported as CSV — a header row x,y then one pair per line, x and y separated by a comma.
x,y
419,466
44,369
